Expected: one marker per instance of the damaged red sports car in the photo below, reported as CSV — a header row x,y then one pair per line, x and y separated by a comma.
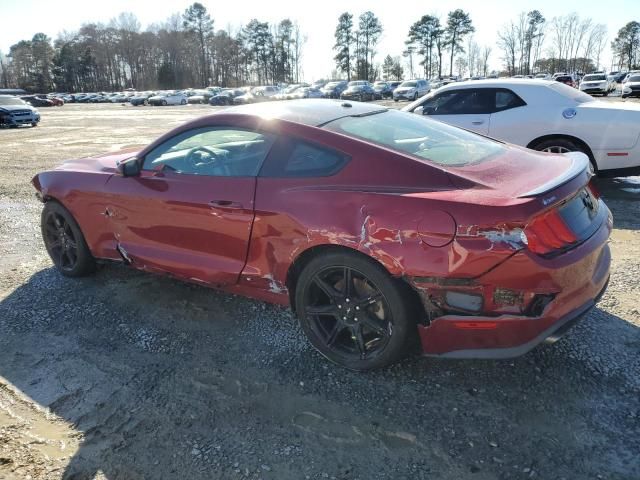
x,y
379,228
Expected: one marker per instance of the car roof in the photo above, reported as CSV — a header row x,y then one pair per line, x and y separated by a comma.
x,y
309,112
497,83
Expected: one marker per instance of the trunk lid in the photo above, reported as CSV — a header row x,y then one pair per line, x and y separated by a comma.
x,y
521,172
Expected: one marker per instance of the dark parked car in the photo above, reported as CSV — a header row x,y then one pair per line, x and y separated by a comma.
x,y
226,96
567,80
37,101
382,229
383,89
334,89
15,112
362,92
141,98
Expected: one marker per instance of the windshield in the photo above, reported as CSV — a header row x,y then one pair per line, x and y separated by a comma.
x,y
593,78
426,139
408,84
11,101
332,85
569,92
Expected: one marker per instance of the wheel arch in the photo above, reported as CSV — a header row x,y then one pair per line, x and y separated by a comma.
x,y
304,257
571,138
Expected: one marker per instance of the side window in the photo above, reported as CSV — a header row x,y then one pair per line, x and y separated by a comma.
x,y
467,102
297,158
219,151
432,105
506,100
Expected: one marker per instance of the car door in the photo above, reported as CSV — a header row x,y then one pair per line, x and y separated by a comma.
x,y
468,108
190,210
512,120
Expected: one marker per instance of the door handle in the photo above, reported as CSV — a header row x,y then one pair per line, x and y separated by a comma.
x,y
225,204
477,122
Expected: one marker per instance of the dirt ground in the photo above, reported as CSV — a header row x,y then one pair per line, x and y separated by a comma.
x,y
128,376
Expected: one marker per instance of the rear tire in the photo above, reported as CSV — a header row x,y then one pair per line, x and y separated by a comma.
x,y
563,145
64,241
366,326
164,103
558,145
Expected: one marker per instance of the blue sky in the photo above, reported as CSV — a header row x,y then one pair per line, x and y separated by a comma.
x,y
20,19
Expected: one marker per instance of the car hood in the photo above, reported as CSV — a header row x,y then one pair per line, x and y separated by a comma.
x,y
13,108
520,172
105,162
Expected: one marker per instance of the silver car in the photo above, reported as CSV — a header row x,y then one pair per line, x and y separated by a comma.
x,y
411,90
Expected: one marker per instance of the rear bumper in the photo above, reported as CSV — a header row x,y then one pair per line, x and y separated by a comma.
x,y
576,280
550,335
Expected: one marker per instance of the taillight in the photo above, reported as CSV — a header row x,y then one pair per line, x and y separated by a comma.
x,y
548,232
594,190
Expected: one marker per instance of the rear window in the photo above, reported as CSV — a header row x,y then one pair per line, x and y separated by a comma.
x,y
594,78
425,139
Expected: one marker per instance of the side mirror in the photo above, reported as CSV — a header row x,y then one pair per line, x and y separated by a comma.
x,y
129,167
419,110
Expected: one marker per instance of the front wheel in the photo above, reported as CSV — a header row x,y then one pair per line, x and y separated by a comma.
x,y
164,103
183,102
64,241
353,312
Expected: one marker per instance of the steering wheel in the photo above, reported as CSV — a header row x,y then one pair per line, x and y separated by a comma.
x,y
196,160
216,160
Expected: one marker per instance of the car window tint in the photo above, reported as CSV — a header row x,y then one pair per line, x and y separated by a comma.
x,y
506,99
297,158
212,151
463,102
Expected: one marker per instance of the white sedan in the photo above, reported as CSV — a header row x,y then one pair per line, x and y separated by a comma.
x,y
595,83
542,115
169,98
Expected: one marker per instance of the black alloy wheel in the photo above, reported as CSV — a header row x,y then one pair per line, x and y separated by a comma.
x,y
64,241
353,312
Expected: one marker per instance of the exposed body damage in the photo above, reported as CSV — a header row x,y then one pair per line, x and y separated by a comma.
x,y
453,235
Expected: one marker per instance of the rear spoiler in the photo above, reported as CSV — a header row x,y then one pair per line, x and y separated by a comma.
x,y
579,163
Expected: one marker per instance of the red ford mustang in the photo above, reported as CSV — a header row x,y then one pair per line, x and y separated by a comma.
x,y
378,227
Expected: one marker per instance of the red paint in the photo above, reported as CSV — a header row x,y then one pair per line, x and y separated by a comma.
x,y
417,220
617,154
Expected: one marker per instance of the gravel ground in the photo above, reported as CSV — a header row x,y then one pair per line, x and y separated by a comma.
x,y
128,376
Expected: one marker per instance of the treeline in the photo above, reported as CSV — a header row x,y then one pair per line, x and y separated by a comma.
x,y
184,51
567,43
428,39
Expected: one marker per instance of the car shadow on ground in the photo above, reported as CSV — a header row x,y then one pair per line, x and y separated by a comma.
x,y
622,196
167,380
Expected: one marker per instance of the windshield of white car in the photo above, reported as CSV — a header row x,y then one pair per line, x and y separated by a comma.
x,y
408,84
11,101
571,93
594,78
428,140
